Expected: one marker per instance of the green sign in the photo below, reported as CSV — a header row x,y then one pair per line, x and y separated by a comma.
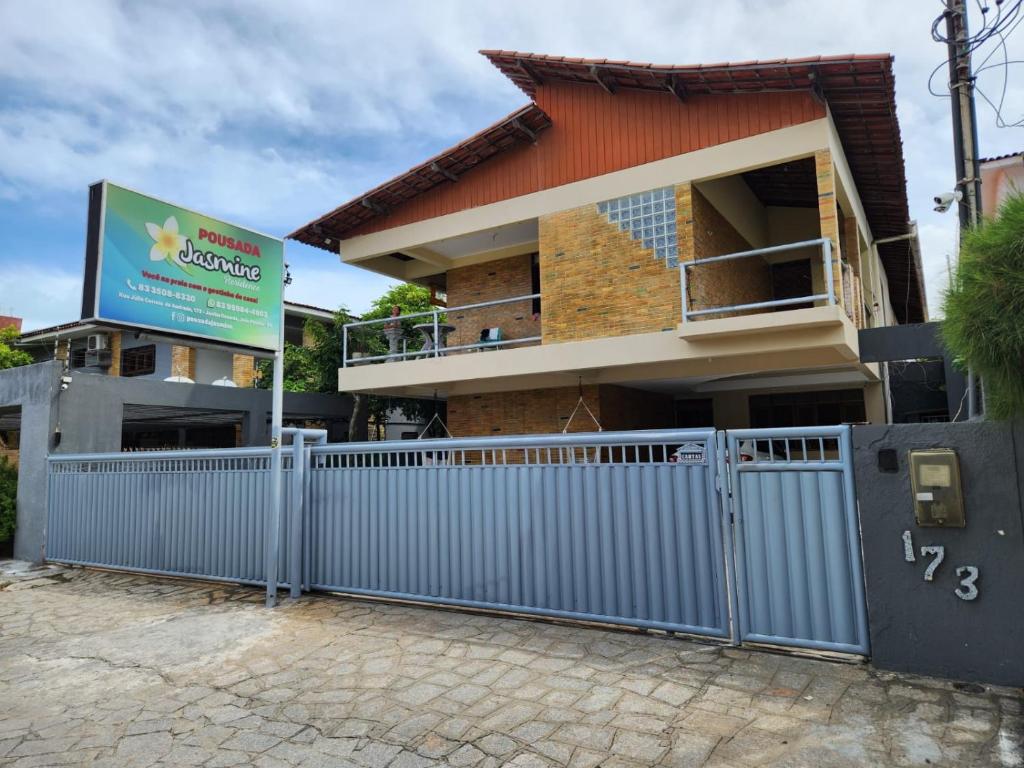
x,y
154,265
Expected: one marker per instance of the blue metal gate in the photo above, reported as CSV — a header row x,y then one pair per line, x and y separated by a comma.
x,y
628,528
623,528
799,578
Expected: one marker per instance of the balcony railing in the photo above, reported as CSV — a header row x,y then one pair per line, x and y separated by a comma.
x,y
425,339
825,244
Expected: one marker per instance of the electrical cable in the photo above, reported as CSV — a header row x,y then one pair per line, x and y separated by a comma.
x,y
1008,17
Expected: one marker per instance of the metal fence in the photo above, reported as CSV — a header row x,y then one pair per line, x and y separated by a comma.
x,y
199,513
799,575
627,528
434,331
609,527
829,296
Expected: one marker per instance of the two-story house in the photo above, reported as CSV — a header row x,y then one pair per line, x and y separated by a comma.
x,y
679,245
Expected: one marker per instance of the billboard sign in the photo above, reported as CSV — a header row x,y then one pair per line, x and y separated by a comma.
x,y
154,265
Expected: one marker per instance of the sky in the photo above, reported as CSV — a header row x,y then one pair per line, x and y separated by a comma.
x,y
269,114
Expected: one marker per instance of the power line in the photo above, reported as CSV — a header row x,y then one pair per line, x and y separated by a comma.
x,y
1008,16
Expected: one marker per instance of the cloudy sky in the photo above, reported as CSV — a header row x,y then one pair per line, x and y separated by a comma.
x,y
269,114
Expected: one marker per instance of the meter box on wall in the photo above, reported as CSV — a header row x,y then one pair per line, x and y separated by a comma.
x,y
935,481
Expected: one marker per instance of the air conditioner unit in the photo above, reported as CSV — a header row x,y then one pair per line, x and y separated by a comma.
x,y
97,358
97,341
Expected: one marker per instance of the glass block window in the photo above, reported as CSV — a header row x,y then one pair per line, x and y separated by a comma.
x,y
649,217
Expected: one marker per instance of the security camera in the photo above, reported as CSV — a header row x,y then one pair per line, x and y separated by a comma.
x,y
944,201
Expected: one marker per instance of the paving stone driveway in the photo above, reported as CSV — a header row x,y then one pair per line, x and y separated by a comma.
x,y
111,669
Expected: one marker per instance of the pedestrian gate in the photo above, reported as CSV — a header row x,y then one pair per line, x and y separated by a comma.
x,y
631,528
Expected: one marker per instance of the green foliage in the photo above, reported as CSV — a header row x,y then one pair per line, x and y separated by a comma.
x,y
410,299
8,498
9,356
314,368
984,308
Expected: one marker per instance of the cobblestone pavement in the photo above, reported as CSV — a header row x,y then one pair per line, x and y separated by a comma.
x,y
111,669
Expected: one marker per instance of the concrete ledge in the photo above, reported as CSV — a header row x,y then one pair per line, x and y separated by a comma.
x,y
764,322
819,340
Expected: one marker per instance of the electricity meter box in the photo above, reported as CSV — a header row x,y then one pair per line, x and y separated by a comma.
x,y
935,481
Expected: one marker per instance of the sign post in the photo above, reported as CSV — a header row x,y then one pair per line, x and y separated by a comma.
x,y
159,267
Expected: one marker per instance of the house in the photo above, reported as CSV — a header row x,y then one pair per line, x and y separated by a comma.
x,y
93,348
1000,177
666,245
122,390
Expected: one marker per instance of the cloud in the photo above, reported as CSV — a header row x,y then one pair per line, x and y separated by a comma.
x,y
41,296
334,287
271,113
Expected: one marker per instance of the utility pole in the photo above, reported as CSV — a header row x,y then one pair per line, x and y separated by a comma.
x,y
965,137
965,131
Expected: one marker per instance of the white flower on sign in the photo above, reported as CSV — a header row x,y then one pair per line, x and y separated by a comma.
x,y
168,243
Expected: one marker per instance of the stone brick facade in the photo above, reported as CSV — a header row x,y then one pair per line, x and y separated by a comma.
x,y
183,362
491,281
828,214
243,370
546,411
704,232
598,281
115,354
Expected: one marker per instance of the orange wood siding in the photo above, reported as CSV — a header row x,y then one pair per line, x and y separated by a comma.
x,y
594,133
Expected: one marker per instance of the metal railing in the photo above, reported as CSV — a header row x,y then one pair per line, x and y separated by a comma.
x,y
826,252
435,346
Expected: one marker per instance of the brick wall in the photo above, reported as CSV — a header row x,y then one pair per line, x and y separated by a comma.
x,y
243,370
183,361
704,232
828,214
546,411
490,281
115,354
598,281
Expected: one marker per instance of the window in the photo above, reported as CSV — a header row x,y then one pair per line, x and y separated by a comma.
x,y
649,217
77,358
807,409
138,361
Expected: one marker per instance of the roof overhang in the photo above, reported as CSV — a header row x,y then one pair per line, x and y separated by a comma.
x,y
511,131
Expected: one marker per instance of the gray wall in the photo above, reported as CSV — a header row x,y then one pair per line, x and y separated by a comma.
x,y
923,627
87,417
34,388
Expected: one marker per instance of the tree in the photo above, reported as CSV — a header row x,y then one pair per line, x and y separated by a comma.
x,y
9,356
984,307
314,367
370,340
8,498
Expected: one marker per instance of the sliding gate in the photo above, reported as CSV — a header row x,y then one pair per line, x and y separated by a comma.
x,y
749,535
623,528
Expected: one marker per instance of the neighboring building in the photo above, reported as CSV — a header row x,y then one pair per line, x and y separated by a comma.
x,y
128,390
1000,177
575,211
93,348
6,321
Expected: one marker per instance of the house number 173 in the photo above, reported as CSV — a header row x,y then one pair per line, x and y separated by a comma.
x,y
967,574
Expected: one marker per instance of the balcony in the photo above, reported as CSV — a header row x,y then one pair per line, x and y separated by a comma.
x,y
420,335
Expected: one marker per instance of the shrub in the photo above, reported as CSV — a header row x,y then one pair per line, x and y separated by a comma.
x,y
984,308
8,498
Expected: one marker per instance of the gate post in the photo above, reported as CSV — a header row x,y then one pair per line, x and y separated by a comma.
x,y
723,483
